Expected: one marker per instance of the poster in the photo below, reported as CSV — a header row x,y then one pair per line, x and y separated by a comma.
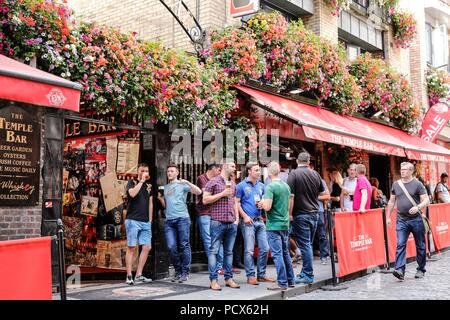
x,y
127,156
111,191
111,154
89,205
20,152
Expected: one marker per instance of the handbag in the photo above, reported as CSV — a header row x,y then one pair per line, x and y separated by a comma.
x,y
426,222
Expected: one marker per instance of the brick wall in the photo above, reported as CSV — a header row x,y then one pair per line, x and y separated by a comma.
x,y
151,19
23,222
322,22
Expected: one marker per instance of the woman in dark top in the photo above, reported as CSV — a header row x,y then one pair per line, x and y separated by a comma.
x,y
336,188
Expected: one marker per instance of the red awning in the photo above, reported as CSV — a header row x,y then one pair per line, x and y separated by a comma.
x,y
20,82
324,125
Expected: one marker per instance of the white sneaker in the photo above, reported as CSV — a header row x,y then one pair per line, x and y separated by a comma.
x,y
141,278
130,280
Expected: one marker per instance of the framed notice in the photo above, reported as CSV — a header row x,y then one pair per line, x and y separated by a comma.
x,y
89,205
20,152
111,191
127,156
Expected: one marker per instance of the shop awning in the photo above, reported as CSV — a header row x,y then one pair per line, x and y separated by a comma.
x,y
20,82
324,125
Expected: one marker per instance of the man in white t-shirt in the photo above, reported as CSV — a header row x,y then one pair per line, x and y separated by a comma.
x,y
348,189
442,193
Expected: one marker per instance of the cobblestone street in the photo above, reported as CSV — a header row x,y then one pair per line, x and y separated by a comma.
x,y
378,286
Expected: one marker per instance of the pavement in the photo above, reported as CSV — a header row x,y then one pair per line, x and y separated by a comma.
x,y
196,288
379,286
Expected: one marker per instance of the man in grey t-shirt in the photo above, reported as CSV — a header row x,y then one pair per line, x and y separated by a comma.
x,y
408,219
442,192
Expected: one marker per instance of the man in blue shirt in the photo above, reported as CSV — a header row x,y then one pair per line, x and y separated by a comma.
x,y
178,222
249,194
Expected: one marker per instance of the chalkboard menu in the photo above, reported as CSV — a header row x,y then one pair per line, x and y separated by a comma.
x,y
20,151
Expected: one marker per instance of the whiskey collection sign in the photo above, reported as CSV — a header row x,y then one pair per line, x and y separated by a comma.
x,y
20,150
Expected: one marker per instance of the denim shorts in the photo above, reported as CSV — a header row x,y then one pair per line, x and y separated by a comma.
x,y
138,232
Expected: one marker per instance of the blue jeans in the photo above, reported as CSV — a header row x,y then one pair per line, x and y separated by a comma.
x,y
322,235
304,226
222,233
204,225
403,228
252,233
279,247
177,233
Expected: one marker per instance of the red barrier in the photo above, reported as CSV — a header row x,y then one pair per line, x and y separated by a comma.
x,y
439,215
392,240
25,269
360,240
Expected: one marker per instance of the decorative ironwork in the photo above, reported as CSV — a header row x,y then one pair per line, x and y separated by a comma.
x,y
188,22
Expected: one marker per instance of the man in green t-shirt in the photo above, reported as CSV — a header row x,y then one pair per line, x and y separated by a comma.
x,y
277,200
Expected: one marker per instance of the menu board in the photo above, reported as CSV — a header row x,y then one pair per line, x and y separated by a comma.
x,y
20,151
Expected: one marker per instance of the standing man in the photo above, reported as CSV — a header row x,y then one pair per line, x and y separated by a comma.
x,y
442,193
204,213
363,191
306,186
408,218
219,193
178,222
348,189
138,222
249,203
276,204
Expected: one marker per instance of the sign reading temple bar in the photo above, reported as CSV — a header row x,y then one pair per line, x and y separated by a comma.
x,y
20,149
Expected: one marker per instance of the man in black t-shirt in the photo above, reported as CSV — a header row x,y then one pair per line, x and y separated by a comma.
x,y
306,187
408,219
138,222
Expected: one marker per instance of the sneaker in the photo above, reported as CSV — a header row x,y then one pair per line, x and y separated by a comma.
x,y
323,261
176,278
265,279
183,278
252,281
399,275
276,287
130,280
143,279
419,274
303,278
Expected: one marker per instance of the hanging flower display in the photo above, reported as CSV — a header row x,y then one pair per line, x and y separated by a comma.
x,y
235,50
269,29
438,85
336,6
405,27
27,27
338,88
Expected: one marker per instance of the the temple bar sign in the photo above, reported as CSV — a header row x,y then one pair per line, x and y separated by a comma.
x,y
241,8
20,149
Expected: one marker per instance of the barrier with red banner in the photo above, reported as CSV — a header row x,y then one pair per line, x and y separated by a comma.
x,y
392,240
439,215
359,240
25,269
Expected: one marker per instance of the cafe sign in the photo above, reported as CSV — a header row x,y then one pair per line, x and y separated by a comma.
x,y
20,150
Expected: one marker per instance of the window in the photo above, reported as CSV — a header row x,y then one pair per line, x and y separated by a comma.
x,y
429,42
353,52
362,3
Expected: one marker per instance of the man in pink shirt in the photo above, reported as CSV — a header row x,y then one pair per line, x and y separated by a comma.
x,y
363,190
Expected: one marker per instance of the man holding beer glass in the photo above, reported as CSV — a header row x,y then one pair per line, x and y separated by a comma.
x,y
248,199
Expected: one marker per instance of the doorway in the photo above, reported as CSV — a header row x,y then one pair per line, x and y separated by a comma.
x,y
379,168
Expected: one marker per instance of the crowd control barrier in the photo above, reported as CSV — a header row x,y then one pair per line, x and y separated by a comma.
x,y
439,216
25,268
364,240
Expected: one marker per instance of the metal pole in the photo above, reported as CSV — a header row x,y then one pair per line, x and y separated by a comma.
x,y
62,267
335,286
386,243
427,214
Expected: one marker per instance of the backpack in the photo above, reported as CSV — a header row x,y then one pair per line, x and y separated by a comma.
x,y
435,193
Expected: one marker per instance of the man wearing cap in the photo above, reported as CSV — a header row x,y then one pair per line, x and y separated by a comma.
x,y
306,188
442,193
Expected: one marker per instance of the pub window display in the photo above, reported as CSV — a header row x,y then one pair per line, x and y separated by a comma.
x,y
95,236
